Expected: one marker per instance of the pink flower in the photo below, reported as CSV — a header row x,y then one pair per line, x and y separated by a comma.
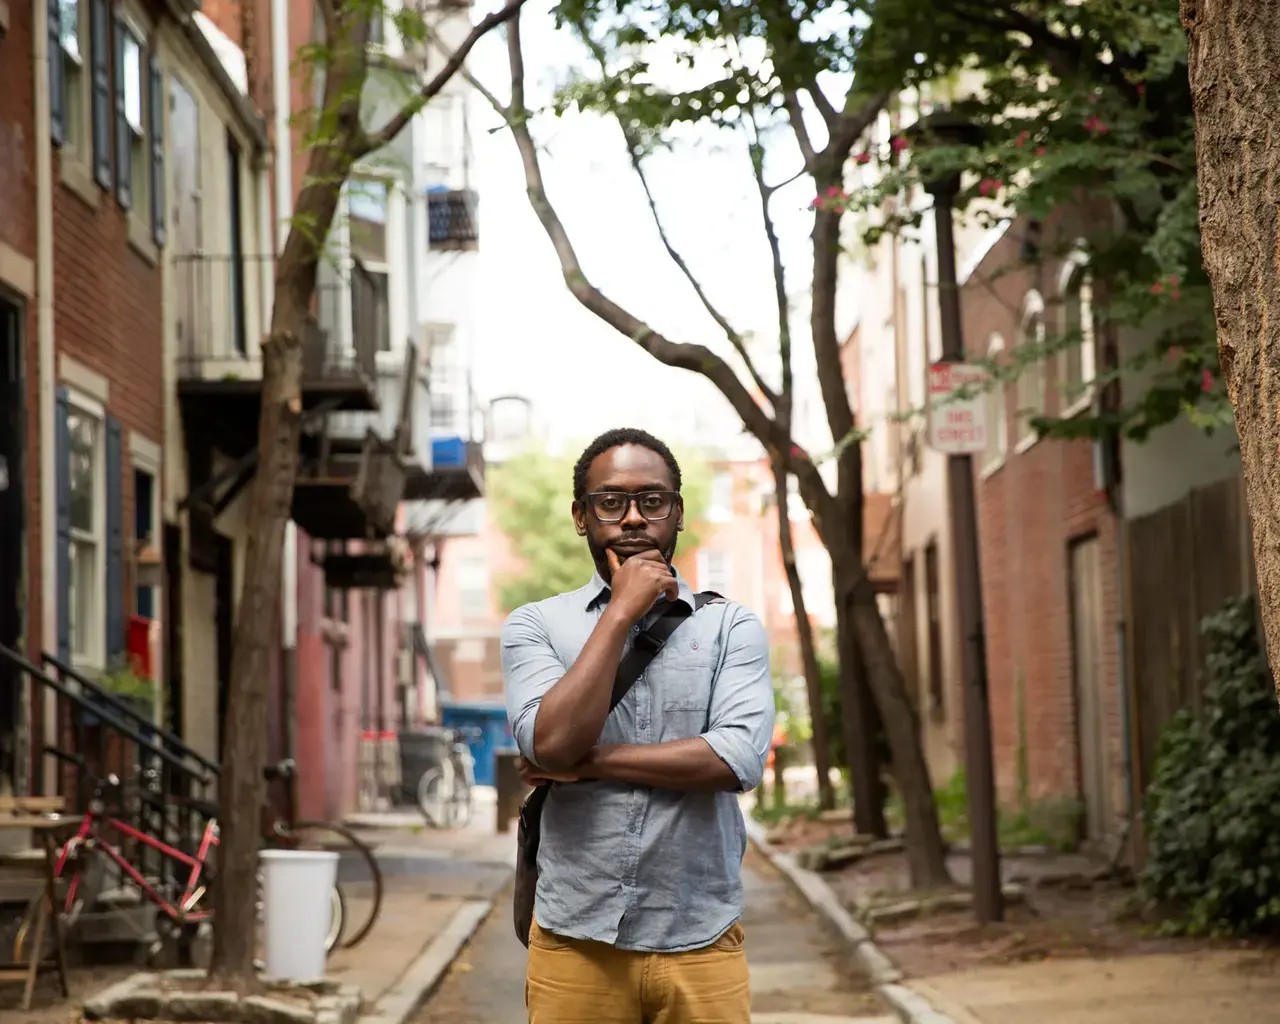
x,y
798,453
989,186
1021,140
815,203
1041,151
832,192
898,144
1142,89
863,158
1206,381
1174,281
1095,124
1157,288
1175,295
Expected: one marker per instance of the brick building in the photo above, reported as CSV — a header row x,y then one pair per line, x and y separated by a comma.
x,y
1047,536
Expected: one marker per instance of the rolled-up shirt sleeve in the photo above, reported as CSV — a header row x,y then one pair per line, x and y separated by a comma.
x,y
740,723
529,669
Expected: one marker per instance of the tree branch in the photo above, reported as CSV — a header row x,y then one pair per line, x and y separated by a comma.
x,y
452,65
681,355
783,409
795,113
634,150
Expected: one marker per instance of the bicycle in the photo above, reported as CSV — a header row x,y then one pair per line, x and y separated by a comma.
x,y
181,913
288,832
446,794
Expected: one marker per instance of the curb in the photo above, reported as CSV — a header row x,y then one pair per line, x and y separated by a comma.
x,y
909,1005
403,999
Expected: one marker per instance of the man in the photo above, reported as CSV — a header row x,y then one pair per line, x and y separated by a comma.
x,y
640,893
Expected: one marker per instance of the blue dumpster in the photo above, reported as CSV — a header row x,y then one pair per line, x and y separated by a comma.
x,y
491,732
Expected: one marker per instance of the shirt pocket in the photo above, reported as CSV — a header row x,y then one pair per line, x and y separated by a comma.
x,y
687,671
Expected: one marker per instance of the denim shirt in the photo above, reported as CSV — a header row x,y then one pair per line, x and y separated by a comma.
x,y
637,867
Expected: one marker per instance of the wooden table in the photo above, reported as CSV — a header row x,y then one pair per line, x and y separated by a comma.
x,y
48,831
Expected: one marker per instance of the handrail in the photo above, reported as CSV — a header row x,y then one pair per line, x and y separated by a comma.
x,y
116,702
94,708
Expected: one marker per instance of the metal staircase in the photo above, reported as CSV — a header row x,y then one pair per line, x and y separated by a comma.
x,y
168,790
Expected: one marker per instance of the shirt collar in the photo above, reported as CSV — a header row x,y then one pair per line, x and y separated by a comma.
x,y
597,591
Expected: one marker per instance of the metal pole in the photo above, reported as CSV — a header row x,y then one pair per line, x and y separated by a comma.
x,y
988,903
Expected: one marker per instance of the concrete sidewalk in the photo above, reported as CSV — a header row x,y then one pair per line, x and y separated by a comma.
x,y
1174,988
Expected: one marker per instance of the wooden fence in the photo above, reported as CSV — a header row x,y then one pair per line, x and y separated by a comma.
x,y
1184,561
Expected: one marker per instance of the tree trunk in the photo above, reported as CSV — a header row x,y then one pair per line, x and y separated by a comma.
x,y
857,713
242,788
819,740
1234,68
926,851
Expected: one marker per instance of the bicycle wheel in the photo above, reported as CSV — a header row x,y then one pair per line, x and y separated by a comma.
x,y
433,797
355,858
461,806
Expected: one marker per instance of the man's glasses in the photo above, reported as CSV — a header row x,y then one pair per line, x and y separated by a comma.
x,y
613,506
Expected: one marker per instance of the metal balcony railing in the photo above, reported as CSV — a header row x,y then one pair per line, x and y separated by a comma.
x,y
451,216
222,318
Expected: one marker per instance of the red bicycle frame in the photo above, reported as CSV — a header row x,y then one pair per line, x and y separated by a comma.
x,y
89,830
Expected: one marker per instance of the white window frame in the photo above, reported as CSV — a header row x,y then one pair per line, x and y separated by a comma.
x,y
997,413
143,461
451,386
140,153
393,242
1078,263
76,77
93,657
1032,307
720,507
720,581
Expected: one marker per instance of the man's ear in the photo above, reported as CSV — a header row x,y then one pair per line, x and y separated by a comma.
x,y
579,518
680,517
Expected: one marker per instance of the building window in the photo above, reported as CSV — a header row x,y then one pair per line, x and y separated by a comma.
x,y
720,508
367,204
442,362
933,610
715,572
87,522
146,498
72,32
130,69
997,428
473,589
1030,387
814,567
1077,359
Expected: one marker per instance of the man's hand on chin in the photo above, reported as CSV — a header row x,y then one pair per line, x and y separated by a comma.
x,y
532,775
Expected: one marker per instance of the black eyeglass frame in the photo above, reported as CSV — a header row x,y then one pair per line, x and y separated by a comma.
x,y
633,498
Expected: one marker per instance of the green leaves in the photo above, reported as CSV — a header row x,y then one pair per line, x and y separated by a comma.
x,y
1212,814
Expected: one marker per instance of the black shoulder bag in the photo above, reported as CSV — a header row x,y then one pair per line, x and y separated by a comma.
x,y
631,668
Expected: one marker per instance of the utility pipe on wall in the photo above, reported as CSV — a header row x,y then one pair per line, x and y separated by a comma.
x,y
45,364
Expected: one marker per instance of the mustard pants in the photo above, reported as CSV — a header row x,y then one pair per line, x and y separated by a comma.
x,y
572,981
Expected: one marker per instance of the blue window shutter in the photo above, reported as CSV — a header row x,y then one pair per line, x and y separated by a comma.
x,y
100,56
115,544
57,77
155,112
124,136
62,487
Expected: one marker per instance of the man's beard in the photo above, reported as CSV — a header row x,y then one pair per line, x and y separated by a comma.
x,y
602,563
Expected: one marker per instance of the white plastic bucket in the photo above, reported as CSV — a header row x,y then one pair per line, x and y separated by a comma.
x,y
296,911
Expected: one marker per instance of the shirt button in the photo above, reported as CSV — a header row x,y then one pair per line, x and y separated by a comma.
x,y
633,827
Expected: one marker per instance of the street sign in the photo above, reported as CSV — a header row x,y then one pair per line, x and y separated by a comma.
x,y
957,425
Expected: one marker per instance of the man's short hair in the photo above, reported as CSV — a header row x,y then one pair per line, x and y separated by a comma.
x,y
616,438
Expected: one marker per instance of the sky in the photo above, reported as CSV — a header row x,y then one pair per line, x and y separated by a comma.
x,y
536,340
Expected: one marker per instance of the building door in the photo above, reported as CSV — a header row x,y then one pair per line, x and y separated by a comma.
x,y
222,623
11,536
185,236
1086,660
908,640
173,664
